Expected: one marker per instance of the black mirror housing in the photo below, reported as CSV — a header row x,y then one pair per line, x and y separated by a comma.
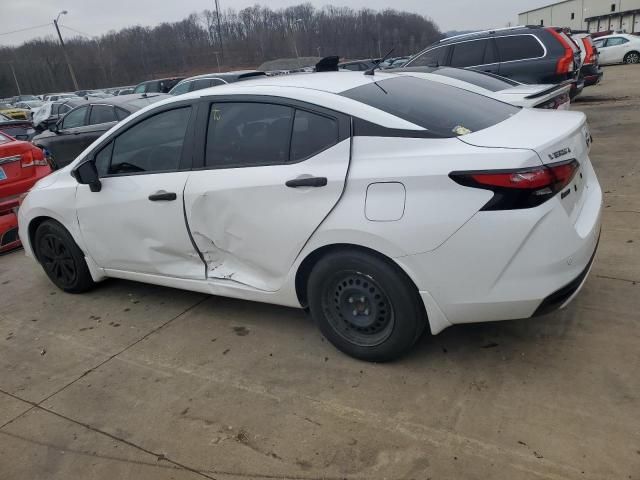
x,y
53,127
87,174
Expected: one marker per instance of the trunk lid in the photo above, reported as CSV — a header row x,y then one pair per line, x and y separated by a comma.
x,y
11,157
555,136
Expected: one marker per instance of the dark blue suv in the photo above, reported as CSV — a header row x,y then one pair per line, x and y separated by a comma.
x,y
527,54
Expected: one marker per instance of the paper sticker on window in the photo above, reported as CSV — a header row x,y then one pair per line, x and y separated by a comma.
x,y
460,130
216,114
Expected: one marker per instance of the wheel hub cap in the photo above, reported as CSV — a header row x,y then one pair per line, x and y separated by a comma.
x,y
358,309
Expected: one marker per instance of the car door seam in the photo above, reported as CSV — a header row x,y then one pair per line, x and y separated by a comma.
x,y
186,222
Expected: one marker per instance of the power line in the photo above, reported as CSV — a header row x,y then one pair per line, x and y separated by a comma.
x,y
77,31
25,29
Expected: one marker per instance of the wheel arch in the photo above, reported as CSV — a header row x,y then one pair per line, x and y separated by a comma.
x,y
34,223
637,52
313,257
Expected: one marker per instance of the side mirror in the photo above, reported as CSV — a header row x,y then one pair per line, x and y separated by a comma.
x,y
53,128
87,174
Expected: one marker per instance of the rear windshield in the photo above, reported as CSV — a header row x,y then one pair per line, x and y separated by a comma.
x,y
443,110
479,79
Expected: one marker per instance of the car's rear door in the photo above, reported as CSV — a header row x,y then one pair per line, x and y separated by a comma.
x,y
63,147
136,223
271,171
101,118
476,54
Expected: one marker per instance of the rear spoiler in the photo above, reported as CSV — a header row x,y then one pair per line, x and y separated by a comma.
x,y
549,90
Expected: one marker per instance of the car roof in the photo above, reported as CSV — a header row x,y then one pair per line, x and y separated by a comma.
x,y
624,35
330,82
132,102
319,88
496,32
227,75
159,80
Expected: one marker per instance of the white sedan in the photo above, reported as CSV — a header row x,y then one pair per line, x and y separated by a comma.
x,y
385,204
548,96
618,48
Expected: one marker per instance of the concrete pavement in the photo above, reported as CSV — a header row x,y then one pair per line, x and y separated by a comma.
x,y
144,382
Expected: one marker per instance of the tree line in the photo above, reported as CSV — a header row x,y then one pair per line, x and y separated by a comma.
x,y
200,43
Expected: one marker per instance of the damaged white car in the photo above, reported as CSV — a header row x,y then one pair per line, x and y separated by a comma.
x,y
385,204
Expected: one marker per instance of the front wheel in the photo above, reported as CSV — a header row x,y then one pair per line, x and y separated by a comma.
x,y
365,306
61,259
632,58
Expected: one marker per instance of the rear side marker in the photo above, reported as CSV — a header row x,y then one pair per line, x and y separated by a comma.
x,y
519,188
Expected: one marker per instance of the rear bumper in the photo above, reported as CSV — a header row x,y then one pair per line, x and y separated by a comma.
x,y
9,232
591,75
561,297
507,265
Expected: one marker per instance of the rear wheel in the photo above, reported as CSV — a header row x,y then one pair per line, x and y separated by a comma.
x,y
365,306
632,57
61,259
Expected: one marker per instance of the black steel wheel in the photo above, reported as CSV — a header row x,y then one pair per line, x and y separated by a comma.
x,y
61,258
358,308
365,305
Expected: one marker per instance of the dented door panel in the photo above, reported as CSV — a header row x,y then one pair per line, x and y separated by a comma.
x,y
249,226
123,230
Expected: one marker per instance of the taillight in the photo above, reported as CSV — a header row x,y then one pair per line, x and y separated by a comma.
x,y
556,102
519,188
33,158
565,63
590,54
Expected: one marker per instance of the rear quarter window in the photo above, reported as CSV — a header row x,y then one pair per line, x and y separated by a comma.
x,y
518,47
443,110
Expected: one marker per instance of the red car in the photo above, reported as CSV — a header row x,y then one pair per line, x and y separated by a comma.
x,y
21,165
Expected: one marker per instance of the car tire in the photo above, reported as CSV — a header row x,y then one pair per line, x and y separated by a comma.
x,y
365,306
61,258
632,58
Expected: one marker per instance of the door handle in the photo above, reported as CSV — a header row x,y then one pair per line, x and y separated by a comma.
x,y
161,195
307,182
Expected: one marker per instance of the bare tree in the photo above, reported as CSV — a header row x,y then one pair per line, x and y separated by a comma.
x,y
251,36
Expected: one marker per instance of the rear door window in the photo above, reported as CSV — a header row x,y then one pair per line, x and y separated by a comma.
x,y
444,111
432,58
102,114
247,134
312,134
518,47
468,54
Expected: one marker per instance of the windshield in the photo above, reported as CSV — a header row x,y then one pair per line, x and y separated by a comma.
x,y
443,110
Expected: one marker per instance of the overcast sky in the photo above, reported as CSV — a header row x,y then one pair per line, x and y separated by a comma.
x,y
99,16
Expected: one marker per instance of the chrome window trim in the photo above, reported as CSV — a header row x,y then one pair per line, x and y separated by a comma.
x,y
11,159
544,49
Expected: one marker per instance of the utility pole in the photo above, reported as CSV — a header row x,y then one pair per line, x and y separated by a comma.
x,y
13,70
64,50
219,29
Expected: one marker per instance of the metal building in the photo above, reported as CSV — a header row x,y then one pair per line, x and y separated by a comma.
x,y
592,15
